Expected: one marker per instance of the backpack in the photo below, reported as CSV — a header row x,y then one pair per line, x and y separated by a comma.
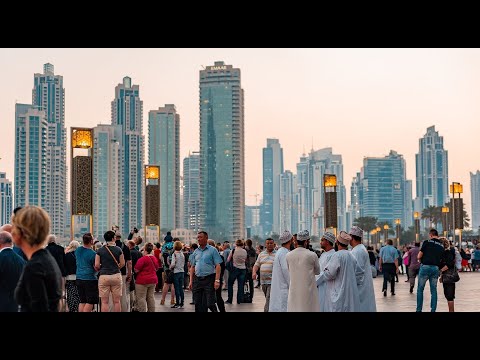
x,y
229,265
247,295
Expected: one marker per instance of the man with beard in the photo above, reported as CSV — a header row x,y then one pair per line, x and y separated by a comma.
x,y
280,276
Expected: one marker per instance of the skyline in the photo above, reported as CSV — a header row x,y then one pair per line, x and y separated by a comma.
x,y
370,92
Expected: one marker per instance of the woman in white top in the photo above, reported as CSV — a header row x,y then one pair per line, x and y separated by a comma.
x,y
239,258
177,266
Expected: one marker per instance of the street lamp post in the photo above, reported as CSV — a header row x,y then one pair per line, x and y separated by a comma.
x,y
457,210
416,215
397,228
378,229
385,229
445,211
330,199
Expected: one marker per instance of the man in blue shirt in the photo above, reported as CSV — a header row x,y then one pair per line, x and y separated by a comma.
x,y
87,282
388,264
204,274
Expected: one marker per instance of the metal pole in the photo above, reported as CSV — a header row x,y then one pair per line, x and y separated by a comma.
x,y
453,218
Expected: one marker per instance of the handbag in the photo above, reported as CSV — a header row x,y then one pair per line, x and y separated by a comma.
x,y
229,265
450,276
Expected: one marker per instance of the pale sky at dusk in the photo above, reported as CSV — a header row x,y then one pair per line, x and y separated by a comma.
x,y
360,102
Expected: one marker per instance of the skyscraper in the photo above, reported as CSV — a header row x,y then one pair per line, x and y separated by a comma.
x,y
191,191
107,209
6,199
383,186
475,193
272,168
355,200
288,207
127,111
48,95
30,156
222,160
164,150
432,171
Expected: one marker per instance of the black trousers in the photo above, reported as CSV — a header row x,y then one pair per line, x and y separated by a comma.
x,y
220,302
389,273
204,293
249,278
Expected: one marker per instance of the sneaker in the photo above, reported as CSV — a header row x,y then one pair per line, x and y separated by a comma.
x,y
180,306
192,303
174,306
228,302
393,293
384,292
411,289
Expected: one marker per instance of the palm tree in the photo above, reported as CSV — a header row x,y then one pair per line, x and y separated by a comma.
x,y
433,214
366,223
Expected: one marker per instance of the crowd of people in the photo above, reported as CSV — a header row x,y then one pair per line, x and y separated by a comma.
x,y
39,275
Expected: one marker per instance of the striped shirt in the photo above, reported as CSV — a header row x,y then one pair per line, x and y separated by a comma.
x,y
265,263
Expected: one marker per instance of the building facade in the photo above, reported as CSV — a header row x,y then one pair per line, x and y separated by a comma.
x,y
31,129
107,209
288,207
191,191
164,150
48,95
6,200
432,171
127,111
222,152
475,194
272,168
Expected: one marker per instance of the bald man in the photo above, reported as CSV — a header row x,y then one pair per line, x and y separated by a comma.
x,y
16,249
11,267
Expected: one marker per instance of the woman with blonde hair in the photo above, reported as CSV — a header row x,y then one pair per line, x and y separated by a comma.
x,y
73,298
40,286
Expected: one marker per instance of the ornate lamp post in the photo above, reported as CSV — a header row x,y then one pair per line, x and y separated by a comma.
x,y
385,231
397,228
457,209
445,211
416,215
330,199
152,198
378,230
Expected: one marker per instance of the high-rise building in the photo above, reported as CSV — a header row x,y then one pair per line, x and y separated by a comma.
x,y
355,200
383,183
252,220
164,150
222,148
127,111
48,95
311,203
6,199
408,205
432,171
191,191
272,168
30,156
475,193
288,206
107,210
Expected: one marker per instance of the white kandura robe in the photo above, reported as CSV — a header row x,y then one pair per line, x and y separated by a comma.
x,y
342,293
363,273
322,285
302,293
280,282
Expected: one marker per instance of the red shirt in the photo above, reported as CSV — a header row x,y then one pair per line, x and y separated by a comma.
x,y
147,267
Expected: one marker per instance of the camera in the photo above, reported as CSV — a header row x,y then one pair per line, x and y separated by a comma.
x,y
135,230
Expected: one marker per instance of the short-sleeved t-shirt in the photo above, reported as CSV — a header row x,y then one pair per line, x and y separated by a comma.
x,y
432,250
85,262
108,265
265,263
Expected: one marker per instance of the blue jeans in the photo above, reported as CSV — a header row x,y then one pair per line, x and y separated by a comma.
x,y
239,275
178,284
430,273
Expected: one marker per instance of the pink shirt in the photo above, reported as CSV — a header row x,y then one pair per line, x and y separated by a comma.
x,y
146,270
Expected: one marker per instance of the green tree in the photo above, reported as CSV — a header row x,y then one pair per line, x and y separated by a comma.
x,y
433,214
407,236
275,237
366,223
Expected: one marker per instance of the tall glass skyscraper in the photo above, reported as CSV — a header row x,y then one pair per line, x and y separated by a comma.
x,y
272,168
5,199
475,193
191,191
432,171
127,111
164,150
383,183
107,210
49,95
288,207
222,160
30,156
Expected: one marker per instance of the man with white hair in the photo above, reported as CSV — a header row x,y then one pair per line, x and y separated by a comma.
x,y
303,266
341,294
327,242
11,267
366,293
280,276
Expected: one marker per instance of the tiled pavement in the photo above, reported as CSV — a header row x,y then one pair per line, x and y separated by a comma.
x,y
467,295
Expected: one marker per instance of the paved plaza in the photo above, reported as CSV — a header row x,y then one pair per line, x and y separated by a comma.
x,y
466,298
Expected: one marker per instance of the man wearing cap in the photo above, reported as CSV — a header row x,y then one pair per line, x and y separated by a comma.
x,y
341,294
280,276
327,242
366,293
303,266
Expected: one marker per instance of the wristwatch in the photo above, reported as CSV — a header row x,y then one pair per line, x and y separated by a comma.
x,y
217,280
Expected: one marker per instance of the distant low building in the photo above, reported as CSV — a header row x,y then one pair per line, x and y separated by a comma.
x,y
186,236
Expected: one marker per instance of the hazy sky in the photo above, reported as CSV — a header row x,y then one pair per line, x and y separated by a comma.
x,y
361,102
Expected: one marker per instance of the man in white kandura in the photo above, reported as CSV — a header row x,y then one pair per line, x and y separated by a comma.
x,y
341,294
327,242
303,266
280,276
363,273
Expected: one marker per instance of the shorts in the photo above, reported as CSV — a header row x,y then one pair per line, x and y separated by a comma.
x,y
110,283
88,291
449,291
169,277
